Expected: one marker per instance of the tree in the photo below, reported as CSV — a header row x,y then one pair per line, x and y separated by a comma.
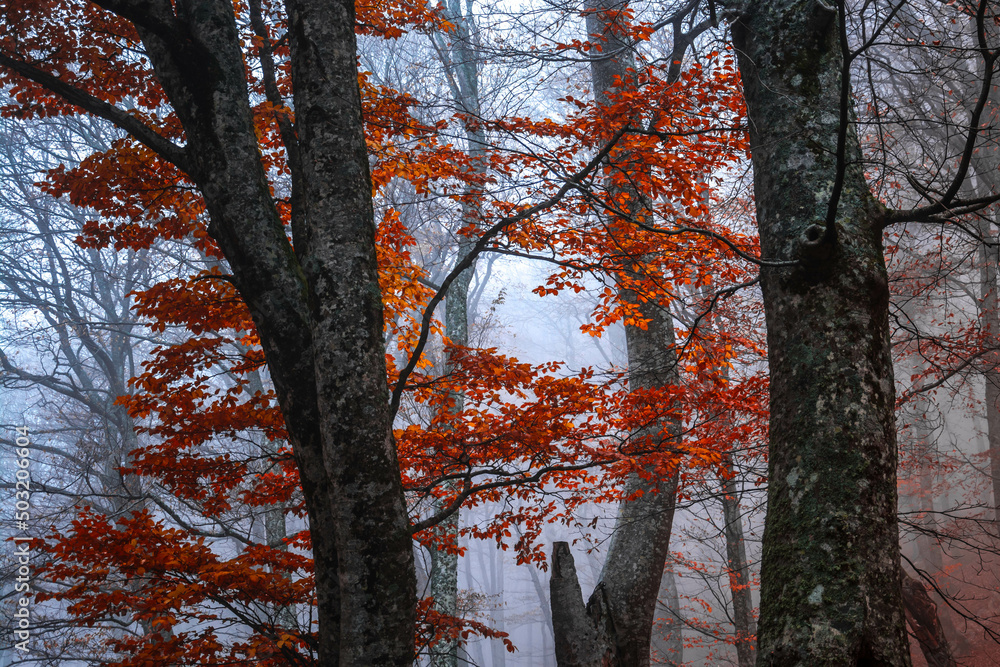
x,y
317,306
830,572
616,624
70,380
461,63
831,486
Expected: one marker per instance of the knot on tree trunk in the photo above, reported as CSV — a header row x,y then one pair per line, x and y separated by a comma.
x,y
815,244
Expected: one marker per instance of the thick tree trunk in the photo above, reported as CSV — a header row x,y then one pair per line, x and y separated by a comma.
x,y
318,310
921,614
372,534
830,570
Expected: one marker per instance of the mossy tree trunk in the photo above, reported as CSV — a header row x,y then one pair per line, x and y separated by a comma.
x,y
830,591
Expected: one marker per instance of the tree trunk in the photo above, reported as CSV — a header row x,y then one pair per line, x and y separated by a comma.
x,y
444,563
317,309
928,546
581,638
668,645
989,323
739,574
830,569
921,614
615,627
462,63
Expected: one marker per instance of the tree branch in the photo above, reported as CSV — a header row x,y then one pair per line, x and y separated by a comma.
x,y
138,130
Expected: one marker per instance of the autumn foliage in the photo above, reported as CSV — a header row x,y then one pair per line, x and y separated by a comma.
x,y
546,438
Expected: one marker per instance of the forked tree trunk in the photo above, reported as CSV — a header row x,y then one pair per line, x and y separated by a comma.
x,y
615,626
317,308
830,573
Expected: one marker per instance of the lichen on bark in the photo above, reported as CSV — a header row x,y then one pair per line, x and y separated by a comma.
x,y
830,569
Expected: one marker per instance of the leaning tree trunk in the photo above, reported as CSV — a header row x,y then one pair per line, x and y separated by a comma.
x,y
921,614
830,572
615,626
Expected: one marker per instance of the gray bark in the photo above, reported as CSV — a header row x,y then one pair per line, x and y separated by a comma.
x,y
739,574
275,527
461,63
580,636
668,642
615,626
830,568
318,308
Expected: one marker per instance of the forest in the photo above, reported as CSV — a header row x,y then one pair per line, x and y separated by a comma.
x,y
611,333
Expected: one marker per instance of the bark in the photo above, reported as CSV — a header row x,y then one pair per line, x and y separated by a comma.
x,y
922,616
499,615
830,569
739,575
989,323
444,564
580,637
928,547
275,527
461,63
615,626
744,622
318,308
